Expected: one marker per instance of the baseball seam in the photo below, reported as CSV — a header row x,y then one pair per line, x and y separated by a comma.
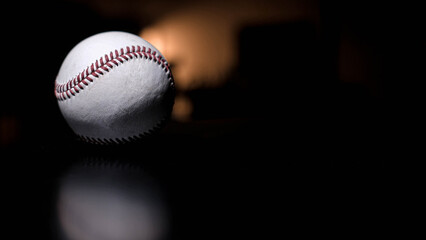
x,y
130,139
102,66
105,64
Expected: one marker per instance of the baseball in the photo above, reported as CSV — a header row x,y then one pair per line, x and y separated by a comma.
x,y
114,87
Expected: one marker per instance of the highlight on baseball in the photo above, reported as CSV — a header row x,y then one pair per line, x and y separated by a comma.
x,y
115,87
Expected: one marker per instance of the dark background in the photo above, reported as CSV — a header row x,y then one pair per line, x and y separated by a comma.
x,y
313,155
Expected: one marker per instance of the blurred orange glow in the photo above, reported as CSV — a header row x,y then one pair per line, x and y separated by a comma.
x,y
201,48
183,108
201,40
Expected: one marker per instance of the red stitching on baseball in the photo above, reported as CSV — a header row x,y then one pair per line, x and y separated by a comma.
x,y
104,64
135,138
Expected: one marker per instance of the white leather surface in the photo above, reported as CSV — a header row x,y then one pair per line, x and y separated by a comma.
x,y
128,100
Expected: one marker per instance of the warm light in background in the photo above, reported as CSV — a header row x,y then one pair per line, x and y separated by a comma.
x,y
199,45
201,40
183,108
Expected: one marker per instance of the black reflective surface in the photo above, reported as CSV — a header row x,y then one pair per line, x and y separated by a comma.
x,y
285,148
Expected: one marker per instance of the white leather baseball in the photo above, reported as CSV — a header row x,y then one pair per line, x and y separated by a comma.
x,y
114,87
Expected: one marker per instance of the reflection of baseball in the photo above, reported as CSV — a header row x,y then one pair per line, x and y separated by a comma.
x,y
114,87
99,200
